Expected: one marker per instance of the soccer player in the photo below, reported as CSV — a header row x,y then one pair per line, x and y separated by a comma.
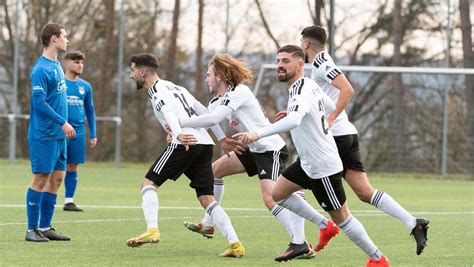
x,y
190,152
80,105
266,157
334,83
318,167
47,133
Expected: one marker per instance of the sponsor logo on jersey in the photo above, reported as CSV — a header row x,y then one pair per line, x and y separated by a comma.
x,y
74,100
61,86
263,172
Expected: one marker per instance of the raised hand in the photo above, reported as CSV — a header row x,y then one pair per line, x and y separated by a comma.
x,y
280,115
229,145
247,137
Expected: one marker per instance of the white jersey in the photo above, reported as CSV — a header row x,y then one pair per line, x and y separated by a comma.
x,y
323,72
314,143
165,96
248,116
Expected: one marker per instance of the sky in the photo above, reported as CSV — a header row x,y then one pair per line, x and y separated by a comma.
x,y
286,19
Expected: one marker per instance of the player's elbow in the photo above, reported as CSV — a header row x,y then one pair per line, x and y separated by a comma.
x,y
349,90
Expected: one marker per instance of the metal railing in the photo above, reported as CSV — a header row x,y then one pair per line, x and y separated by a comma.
x,y
399,70
12,119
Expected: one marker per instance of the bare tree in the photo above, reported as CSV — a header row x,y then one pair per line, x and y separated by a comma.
x,y
265,25
198,76
398,88
172,49
103,88
468,57
318,7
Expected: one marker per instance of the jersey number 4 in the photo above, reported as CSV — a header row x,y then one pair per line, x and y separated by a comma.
x,y
185,104
323,117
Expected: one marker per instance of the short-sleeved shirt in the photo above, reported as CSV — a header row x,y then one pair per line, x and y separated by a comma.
x,y
165,96
80,105
313,140
47,80
323,72
248,116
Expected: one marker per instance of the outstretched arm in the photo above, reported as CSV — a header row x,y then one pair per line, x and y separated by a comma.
x,y
292,120
207,120
216,129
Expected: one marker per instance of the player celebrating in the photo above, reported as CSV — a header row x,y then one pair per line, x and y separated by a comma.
x,y
266,157
334,83
80,105
47,133
190,152
318,167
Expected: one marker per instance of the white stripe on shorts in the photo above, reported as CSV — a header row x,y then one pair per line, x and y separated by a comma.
x,y
330,192
159,165
276,165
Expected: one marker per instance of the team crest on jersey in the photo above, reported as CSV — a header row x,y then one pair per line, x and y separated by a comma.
x,y
82,90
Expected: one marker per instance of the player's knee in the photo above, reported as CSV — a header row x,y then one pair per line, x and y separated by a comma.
x,y
38,184
218,170
364,195
276,196
72,167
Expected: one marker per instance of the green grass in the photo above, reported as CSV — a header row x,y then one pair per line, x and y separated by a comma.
x,y
98,234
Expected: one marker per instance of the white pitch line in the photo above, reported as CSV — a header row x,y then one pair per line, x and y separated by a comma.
x,y
128,220
368,212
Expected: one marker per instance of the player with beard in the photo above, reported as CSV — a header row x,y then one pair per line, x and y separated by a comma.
x,y
235,102
318,167
190,152
335,84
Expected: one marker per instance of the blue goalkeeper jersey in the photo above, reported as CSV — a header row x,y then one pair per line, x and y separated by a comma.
x,y
48,103
80,103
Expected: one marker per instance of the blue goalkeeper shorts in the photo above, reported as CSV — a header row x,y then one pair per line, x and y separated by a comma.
x,y
76,149
47,156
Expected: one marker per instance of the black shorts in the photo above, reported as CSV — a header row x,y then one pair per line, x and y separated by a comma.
x,y
267,165
349,152
328,191
196,164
